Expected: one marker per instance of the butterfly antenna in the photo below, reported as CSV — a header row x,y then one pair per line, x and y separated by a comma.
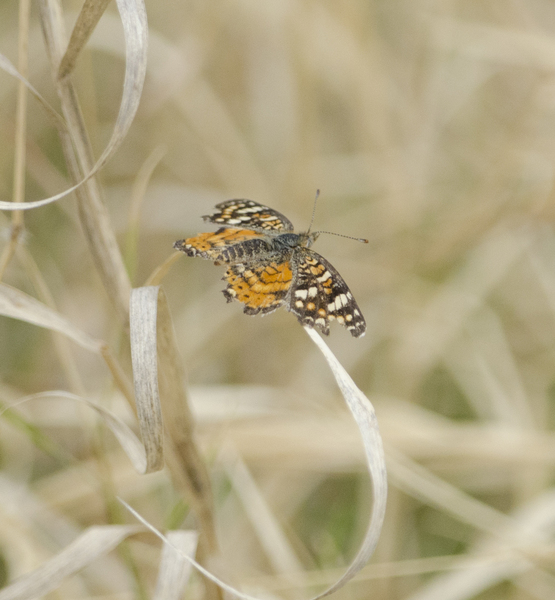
x,y
349,237
313,211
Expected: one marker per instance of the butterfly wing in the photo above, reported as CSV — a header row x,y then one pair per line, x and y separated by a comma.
x,y
250,215
319,295
261,288
225,245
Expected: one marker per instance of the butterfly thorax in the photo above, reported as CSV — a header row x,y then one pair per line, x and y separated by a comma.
x,y
289,241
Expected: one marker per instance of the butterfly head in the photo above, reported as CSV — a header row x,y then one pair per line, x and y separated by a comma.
x,y
307,239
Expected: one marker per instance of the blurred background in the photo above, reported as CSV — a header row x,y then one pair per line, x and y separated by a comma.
x,y
429,128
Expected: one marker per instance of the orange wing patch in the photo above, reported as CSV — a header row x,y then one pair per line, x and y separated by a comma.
x,y
209,245
260,289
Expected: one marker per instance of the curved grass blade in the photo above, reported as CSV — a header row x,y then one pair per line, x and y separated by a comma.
x,y
175,570
133,16
365,417
156,364
18,305
91,544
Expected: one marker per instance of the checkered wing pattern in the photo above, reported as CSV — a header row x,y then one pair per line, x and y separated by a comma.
x,y
250,215
320,295
261,288
224,245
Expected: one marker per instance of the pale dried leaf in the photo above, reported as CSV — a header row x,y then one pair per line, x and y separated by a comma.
x,y
143,312
152,335
91,544
79,157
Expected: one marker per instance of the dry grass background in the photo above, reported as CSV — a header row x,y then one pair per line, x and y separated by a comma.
x,y
429,127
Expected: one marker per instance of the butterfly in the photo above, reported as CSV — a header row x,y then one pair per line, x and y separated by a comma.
x,y
269,266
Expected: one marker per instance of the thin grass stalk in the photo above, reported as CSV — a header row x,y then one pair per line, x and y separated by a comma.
x,y
135,205
180,426
79,157
20,137
120,378
88,18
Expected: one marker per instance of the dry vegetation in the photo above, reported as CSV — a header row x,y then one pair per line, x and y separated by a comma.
x,y
430,129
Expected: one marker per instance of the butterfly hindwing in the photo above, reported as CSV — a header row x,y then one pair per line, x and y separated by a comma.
x,y
320,295
261,288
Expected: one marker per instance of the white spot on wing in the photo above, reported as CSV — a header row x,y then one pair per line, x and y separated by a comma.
x,y
341,300
249,209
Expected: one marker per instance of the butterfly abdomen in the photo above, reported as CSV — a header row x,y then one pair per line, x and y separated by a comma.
x,y
246,245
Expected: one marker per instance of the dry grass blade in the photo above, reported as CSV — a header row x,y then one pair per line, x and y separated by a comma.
x,y
133,16
175,570
18,194
142,315
151,335
270,533
156,277
365,417
17,305
90,14
429,132
128,440
91,544
77,147
421,483
135,29
224,586
137,197
513,539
